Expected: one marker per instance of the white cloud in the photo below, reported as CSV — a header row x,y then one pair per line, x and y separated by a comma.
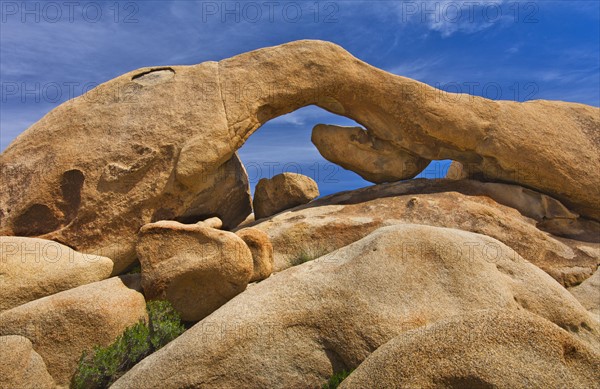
x,y
448,17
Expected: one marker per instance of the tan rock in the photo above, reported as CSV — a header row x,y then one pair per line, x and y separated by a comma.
x,y
298,326
588,293
33,268
262,252
335,221
373,159
196,268
159,142
498,140
456,172
64,325
487,349
21,366
283,191
213,222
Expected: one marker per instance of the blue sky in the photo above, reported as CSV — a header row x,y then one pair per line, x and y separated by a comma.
x,y
53,51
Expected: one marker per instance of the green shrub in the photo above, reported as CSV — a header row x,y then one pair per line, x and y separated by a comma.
x,y
104,365
336,379
307,255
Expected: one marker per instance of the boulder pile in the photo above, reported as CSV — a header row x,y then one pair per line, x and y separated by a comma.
x,y
488,278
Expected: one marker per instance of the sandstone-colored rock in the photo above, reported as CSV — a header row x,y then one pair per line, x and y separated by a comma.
x,y
260,245
157,142
32,268
21,366
498,140
298,326
456,172
213,222
337,220
196,268
487,349
588,293
374,160
283,191
64,325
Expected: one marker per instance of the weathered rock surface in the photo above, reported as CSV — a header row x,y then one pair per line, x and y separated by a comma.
x,y
281,192
456,171
65,324
588,293
213,222
195,267
159,142
335,221
373,159
32,268
260,245
489,349
21,366
298,326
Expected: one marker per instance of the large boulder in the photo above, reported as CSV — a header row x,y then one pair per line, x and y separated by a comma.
x,y
509,213
283,191
33,268
62,326
260,245
195,267
158,143
298,326
21,366
489,349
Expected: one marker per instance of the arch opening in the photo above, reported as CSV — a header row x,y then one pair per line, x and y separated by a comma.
x,y
283,144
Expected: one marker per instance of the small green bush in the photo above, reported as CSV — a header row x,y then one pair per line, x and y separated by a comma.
x,y
307,255
104,365
336,379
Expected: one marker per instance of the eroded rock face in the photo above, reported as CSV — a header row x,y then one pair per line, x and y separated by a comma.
x,y
508,213
488,349
260,245
299,325
588,293
355,149
32,268
195,267
157,141
21,366
64,325
283,191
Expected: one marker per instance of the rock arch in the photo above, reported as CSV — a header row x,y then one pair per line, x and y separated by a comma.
x,y
162,141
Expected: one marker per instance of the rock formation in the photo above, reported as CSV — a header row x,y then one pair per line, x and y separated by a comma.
x,y
300,325
508,213
63,325
144,168
260,245
32,268
481,350
21,366
195,267
588,293
160,143
282,192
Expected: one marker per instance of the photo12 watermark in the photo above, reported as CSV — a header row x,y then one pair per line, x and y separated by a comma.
x,y
270,11
465,12
69,11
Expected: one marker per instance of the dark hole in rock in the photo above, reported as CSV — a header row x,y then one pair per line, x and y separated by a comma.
x,y
191,219
70,187
162,214
38,219
154,76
